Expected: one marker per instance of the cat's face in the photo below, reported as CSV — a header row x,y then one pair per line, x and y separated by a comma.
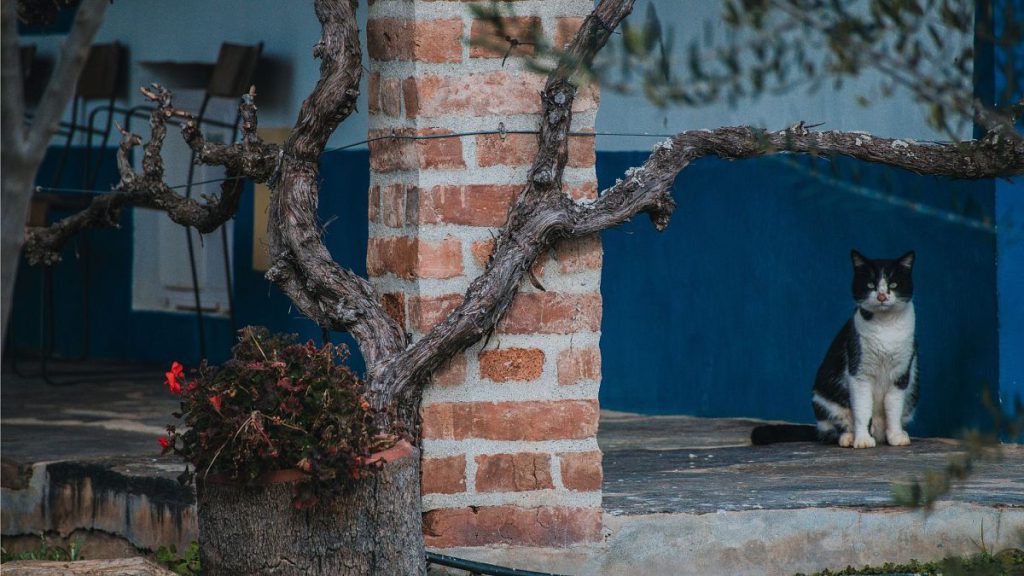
x,y
882,285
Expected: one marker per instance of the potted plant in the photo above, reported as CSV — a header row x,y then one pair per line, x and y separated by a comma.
x,y
281,434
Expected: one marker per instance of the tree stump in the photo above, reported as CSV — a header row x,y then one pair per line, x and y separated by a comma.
x,y
375,528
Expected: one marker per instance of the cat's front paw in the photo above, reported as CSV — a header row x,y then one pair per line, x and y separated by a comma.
x,y
899,438
846,439
864,442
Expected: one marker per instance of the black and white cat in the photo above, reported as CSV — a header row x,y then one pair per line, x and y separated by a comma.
x,y
866,388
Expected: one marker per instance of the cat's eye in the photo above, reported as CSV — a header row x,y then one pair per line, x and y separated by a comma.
x,y
893,285
871,285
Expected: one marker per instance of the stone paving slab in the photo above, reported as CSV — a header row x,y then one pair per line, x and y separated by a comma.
x,y
40,422
667,464
652,464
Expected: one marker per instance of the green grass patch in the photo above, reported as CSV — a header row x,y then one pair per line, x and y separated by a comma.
x,y
45,551
1006,563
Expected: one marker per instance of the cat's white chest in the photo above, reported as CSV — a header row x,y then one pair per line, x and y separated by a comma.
x,y
887,346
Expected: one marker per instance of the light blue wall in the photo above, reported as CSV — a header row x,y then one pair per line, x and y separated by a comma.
x,y
193,30
838,108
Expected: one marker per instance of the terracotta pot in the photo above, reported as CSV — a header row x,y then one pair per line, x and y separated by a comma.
x,y
400,450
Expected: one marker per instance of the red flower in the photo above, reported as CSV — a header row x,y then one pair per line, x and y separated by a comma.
x,y
172,383
215,400
177,371
165,442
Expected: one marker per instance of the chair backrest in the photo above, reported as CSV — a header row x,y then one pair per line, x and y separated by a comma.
x,y
233,72
101,77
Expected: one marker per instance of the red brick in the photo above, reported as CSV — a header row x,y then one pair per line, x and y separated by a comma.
x,y
507,364
585,191
473,205
425,312
480,94
439,259
521,150
581,470
424,40
439,152
391,154
409,94
391,96
453,373
576,364
483,525
411,258
389,39
581,151
391,254
582,254
443,475
529,420
565,29
373,93
394,305
482,250
393,205
486,42
374,208
512,150
438,41
513,472
552,313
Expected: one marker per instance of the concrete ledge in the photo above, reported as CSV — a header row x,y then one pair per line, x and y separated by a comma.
x,y
771,541
139,501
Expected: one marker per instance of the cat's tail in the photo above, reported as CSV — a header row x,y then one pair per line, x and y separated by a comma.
x,y
774,433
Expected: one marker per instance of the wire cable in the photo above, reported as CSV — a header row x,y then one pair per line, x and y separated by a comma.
x,y
393,136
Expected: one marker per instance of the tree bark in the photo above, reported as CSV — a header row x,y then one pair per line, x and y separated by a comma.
x,y
376,528
23,151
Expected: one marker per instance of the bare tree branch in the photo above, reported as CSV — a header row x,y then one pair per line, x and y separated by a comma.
x,y
648,187
13,96
251,157
60,88
148,190
332,296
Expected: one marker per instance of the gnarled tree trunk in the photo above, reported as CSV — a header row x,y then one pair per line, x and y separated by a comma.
x,y
373,529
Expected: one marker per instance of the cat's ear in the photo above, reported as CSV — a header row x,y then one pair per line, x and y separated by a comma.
x,y
858,259
907,260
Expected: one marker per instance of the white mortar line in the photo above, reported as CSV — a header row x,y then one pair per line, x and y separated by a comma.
x,y
473,447
530,499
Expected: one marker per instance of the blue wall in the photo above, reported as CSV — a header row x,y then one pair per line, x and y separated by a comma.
x,y
740,297
1010,211
1010,208
117,332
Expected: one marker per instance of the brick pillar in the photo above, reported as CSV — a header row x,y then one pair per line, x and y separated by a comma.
x,y
510,452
